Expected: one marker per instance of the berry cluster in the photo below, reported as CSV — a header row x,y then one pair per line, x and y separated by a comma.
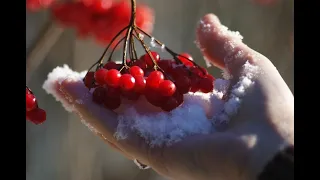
x,y
33,112
162,82
101,19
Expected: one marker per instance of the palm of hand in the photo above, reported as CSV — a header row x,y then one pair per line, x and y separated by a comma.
x,y
263,124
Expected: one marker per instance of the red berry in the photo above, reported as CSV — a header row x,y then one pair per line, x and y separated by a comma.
x,y
154,79
167,88
206,85
209,76
183,84
126,82
100,76
186,59
37,116
111,65
140,63
99,95
165,65
112,92
136,71
194,83
112,78
154,98
146,58
140,84
31,102
131,95
112,104
27,91
170,104
179,97
179,71
89,80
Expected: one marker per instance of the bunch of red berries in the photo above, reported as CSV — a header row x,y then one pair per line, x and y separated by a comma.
x,y
33,112
163,87
101,19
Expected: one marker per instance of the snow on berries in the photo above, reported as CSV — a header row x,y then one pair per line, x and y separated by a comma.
x,y
163,87
100,19
33,113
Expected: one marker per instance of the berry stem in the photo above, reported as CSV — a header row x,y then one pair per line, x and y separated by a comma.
x,y
134,48
125,46
174,54
146,48
100,61
110,57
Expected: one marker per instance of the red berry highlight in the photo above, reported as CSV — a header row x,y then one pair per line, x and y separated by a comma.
x,y
167,88
113,77
154,79
126,82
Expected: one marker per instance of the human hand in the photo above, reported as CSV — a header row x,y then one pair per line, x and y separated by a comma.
x,y
262,126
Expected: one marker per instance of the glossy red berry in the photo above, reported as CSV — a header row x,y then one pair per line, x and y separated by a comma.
x,y
100,76
112,78
136,71
167,88
31,102
99,95
37,116
89,80
140,84
146,58
186,59
154,79
206,85
126,82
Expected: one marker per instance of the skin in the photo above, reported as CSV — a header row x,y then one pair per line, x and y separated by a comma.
x,y
263,125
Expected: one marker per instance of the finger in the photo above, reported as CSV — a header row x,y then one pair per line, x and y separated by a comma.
x,y
222,47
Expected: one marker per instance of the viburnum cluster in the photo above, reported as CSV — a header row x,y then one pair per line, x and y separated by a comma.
x,y
33,112
100,19
162,88
163,82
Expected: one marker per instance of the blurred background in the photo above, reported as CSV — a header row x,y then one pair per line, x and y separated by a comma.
x,y
62,148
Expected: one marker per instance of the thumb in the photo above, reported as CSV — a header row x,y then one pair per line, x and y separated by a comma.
x,y
222,47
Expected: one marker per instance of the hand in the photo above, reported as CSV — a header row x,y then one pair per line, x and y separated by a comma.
x,y
263,125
